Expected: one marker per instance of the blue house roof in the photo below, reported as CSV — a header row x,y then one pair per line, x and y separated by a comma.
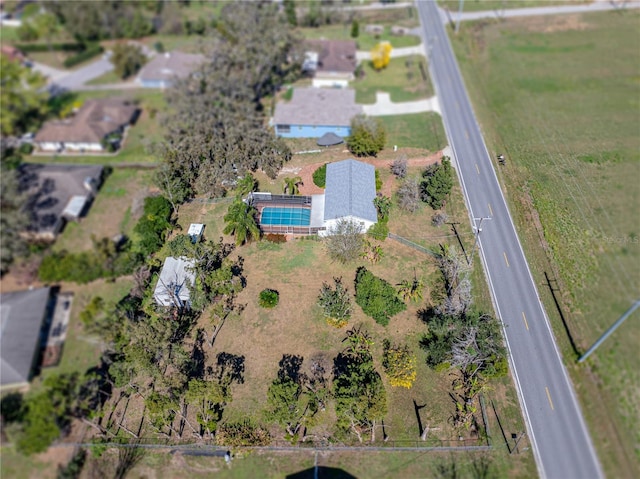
x,y
350,190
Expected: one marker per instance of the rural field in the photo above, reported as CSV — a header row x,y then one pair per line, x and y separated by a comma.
x,y
559,96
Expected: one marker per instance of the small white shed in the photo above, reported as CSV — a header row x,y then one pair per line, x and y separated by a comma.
x,y
195,232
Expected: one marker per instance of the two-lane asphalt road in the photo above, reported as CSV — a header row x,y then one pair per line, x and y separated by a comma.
x,y
561,443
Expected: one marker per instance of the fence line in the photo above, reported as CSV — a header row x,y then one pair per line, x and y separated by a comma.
x,y
278,445
413,245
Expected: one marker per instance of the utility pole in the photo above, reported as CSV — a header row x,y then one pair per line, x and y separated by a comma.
x,y
459,16
478,230
609,331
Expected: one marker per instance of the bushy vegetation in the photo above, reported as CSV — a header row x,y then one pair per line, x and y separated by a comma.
x,y
244,433
345,241
368,136
320,176
91,51
269,298
377,297
153,225
399,364
437,183
335,303
127,59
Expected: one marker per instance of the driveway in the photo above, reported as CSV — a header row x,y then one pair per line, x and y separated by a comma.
x,y
384,106
395,53
77,78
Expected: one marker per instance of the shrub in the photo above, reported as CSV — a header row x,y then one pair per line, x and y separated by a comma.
x,y
244,433
269,298
345,240
379,231
355,29
437,183
275,238
87,54
409,195
153,224
320,176
399,364
335,303
377,297
158,47
378,180
26,148
439,219
368,136
127,59
56,47
181,245
399,166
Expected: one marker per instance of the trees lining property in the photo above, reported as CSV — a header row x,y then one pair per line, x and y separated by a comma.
x,y
216,131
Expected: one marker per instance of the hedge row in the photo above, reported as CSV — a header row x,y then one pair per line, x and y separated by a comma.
x,y
90,52
56,47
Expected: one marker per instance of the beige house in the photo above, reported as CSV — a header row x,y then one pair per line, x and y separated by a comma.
x,y
89,128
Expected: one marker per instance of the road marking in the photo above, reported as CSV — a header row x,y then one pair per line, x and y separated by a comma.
x,y
549,398
490,210
505,259
466,134
525,321
477,169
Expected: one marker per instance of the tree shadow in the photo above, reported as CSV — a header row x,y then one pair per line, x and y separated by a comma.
x,y
11,407
321,472
426,314
198,357
230,367
128,457
290,367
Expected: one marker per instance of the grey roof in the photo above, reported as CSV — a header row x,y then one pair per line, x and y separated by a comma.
x,y
168,65
175,277
318,107
334,55
329,139
21,317
350,190
50,187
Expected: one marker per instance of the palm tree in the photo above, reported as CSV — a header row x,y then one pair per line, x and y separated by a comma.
x,y
291,185
241,222
247,184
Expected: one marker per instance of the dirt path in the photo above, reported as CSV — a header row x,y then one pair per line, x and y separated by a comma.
x,y
306,172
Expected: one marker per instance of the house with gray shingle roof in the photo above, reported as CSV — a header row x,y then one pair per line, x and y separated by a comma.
x,y
164,68
22,316
349,194
331,62
312,112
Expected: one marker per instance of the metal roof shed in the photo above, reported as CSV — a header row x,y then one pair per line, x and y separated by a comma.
x,y
195,232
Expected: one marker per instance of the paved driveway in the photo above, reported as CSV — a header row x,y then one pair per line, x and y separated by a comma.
x,y
87,73
384,106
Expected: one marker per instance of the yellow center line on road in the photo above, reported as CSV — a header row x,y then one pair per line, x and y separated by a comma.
x,y
505,259
490,210
525,321
549,398
477,169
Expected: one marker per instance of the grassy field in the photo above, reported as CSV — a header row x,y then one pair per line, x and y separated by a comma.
x,y
144,133
418,130
405,79
564,110
479,5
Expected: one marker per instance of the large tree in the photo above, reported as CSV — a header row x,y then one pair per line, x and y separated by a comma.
x,y
368,136
217,127
13,216
23,101
241,222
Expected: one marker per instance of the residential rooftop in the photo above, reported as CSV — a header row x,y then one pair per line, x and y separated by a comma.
x,y
318,107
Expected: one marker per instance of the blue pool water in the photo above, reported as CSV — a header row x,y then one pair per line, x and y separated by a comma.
x,y
285,216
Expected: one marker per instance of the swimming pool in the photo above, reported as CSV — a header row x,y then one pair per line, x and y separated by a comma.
x,y
285,216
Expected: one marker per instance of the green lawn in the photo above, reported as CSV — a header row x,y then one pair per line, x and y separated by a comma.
x,y
480,5
184,43
418,130
105,79
405,79
8,35
560,98
365,41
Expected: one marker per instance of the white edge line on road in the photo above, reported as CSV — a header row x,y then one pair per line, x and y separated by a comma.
x,y
527,419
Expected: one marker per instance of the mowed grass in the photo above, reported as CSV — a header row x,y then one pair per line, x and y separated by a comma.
x,y
111,211
559,96
364,41
480,5
405,79
416,130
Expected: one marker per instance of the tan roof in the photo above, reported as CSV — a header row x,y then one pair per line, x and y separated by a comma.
x,y
167,65
94,120
334,55
318,107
